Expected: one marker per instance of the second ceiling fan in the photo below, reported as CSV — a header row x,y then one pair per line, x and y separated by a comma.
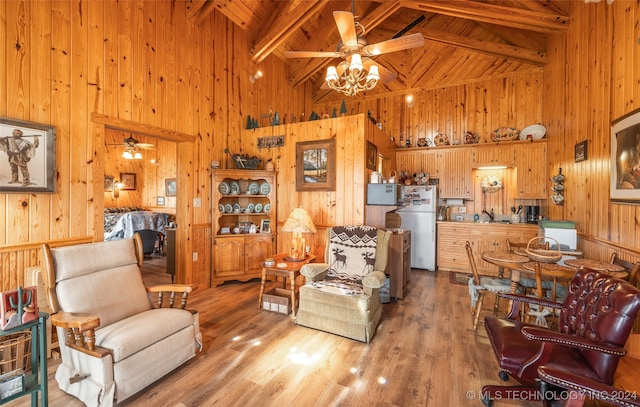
x,y
358,71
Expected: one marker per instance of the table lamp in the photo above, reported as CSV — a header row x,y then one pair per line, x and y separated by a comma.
x,y
299,222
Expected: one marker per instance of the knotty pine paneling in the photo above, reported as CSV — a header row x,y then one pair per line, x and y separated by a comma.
x,y
480,106
137,60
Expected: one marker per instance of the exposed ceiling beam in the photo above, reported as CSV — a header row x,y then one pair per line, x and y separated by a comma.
x,y
493,14
284,27
487,47
198,10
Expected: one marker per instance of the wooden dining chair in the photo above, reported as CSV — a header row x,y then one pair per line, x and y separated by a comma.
x,y
631,268
479,286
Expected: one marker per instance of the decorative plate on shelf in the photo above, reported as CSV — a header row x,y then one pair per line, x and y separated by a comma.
x,y
228,208
250,208
505,134
267,208
253,188
265,188
470,137
441,140
235,187
221,208
258,208
236,207
533,132
224,188
491,183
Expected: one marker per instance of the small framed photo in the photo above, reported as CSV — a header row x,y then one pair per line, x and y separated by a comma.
x,y
372,156
160,201
170,186
265,226
128,181
108,184
580,151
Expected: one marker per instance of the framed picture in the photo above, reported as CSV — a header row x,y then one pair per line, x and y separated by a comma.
x,y
265,226
170,186
108,184
580,151
27,156
316,165
625,158
160,201
128,181
372,156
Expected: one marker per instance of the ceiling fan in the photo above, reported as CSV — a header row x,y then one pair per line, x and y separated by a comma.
x,y
131,147
358,71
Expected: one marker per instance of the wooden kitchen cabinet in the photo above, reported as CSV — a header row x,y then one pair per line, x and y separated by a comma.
x,y
399,263
451,239
495,154
241,198
454,173
417,159
531,167
484,237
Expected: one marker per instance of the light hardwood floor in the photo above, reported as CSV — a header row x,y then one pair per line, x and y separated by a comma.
x,y
424,354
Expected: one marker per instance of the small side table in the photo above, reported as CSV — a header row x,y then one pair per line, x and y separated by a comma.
x,y
291,272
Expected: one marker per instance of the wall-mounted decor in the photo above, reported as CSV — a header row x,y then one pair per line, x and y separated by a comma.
x,y
580,151
128,181
625,158
160,201
170,186
372,156
265,226
27,156
316,165
273,141
108,184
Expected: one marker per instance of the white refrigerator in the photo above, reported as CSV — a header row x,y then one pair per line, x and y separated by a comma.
x,y
419,216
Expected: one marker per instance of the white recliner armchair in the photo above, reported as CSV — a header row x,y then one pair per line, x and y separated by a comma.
x,y
114,341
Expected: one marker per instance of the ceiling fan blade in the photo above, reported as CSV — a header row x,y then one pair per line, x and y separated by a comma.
x,y
396,44
346,27
312,54
145,146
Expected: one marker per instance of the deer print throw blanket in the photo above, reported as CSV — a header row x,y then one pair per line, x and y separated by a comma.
x,y
352,256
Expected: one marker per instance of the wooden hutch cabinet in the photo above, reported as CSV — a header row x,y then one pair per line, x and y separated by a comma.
x,y
242,200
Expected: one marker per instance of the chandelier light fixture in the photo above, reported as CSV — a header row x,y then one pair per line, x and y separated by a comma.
x,y
353,77
130,153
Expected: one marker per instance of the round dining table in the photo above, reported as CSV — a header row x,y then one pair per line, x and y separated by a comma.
x,y
507,260
555,272
614,270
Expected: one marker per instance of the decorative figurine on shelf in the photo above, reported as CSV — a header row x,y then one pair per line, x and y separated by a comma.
x,y
343,108
314,116
334,113
249,124
18,307
276,119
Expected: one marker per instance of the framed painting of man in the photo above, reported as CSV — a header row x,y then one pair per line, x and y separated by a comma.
x,y
27,156
625,159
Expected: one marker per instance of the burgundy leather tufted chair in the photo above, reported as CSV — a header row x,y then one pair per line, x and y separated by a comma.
x,y
595,320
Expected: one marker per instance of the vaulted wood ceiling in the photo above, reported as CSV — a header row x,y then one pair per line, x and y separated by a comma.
x,y
465,39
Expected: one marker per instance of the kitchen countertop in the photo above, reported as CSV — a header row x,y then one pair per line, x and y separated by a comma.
x,y
496,223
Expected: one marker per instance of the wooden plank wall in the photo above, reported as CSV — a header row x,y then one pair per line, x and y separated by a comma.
x,y
480,106
140,61
592,78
